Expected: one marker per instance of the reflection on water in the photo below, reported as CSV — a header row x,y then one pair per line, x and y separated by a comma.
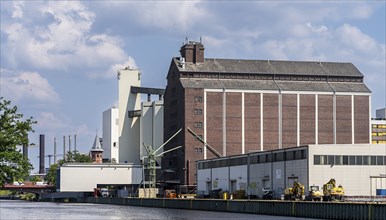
x,y
16,209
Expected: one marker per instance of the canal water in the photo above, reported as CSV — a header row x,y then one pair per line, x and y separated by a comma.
x,y
17,209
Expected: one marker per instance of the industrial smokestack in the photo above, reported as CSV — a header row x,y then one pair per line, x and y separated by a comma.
x,y
75,142
25,150
69,143
41,154
54,150
64,148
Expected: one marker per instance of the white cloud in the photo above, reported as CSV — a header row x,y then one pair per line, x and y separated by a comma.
x,y
18,10
355,38
48,121
29,86
60,39
112,70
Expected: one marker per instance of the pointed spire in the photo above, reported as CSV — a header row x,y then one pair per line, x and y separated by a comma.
x,y
97,145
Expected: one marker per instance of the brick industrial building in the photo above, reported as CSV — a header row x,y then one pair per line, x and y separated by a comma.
x,y
243,106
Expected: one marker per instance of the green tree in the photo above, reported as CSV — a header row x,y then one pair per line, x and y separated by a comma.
x,y
76,157
50,177
13,132
35,179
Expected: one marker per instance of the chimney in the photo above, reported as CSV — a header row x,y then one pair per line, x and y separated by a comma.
x,y
41,154
193,52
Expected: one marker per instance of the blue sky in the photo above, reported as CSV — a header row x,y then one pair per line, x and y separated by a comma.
x,y
59,58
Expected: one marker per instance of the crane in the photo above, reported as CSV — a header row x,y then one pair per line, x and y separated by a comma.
x,y
151,162
210,148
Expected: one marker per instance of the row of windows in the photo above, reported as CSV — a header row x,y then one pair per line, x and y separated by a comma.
x,y
255,159
349,160
271,77
379,142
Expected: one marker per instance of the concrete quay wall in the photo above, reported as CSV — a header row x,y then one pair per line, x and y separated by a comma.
x,y
321,210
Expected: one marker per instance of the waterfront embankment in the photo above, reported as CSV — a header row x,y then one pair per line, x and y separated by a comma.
x,y
321,210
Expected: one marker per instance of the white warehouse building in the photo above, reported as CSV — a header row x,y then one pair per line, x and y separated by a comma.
x,y
84,177
359,168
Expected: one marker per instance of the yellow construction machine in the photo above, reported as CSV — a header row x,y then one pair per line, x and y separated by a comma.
x,y
294,193
314,194
332,192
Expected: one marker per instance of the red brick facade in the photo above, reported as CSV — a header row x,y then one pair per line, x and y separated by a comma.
x,y
239,120
252,122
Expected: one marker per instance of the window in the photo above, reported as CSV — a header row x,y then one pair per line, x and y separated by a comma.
x,y
373,160
290,155
198,111
279,156
303,154
323,160
358,160
198,99
254,159
366,160
262,158
198,150
330,160
338,160
380,160
198,124
317,159
269,157
345,160
351,160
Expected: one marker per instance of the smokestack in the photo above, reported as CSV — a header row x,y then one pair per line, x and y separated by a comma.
x,y
54,150
75,142
25,150
64,147
69,143
41,150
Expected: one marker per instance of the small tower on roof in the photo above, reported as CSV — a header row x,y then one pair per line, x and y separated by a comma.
x,y
96,151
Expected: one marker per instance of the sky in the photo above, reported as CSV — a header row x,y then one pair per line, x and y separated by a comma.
x,y
59,59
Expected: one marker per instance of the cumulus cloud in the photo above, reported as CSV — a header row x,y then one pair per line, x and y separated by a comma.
x,y
27,86
60,39
112,70
49,121
352,36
